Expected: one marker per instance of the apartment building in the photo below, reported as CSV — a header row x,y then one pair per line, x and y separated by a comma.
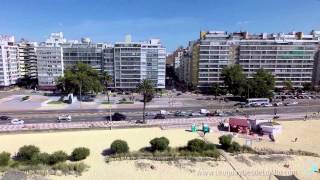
x,y
9,63
83,52
50,61
27,60
135,61
289,57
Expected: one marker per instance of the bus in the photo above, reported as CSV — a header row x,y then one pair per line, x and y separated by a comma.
x,y
257,101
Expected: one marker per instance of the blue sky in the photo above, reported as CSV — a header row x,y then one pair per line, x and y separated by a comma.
x,y
175,22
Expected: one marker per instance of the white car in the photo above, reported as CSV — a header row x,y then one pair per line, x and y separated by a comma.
x,y
64,118
17,121
267,105
204,111
195,114
150,113
291,103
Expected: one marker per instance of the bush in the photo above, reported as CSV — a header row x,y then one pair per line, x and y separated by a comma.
x,y
196,145
79,153
119,146
58,156
234,147
27,153
4,158
210,146
225,141
68,168
44,158
212,153
159,144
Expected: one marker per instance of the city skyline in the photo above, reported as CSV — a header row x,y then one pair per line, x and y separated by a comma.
x,y
109,21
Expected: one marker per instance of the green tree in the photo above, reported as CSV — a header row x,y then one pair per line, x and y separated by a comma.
x,y
262,84
159,144
119,146
307,86
215,89
234,79
106,79
58,156
146,89
288,85
80,78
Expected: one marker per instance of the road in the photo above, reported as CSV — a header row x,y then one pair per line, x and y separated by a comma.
x,y
50,116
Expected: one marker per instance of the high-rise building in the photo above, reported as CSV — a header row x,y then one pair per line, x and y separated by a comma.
x,y
289,57
27,60
9,63
50,61
83,52
135,61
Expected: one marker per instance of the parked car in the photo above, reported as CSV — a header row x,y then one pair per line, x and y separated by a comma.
x,y
179,94
17,121
160,116
266,105
150,114
210,114
180,113
194,114
87,99
117,117
65,117
291,103
5,118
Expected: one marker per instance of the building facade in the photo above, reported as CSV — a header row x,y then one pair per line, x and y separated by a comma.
x,y
289,57
9,63
50,61
27,60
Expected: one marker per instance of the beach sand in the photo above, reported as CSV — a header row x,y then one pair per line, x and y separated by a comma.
x,y
251,166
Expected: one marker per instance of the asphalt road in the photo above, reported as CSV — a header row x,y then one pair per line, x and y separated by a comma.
x,y
50,116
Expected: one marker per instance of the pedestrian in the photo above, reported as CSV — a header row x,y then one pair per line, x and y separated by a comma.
x,y
296,139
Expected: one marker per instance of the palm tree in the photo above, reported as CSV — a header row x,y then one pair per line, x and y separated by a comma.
x,y
145,88
106,80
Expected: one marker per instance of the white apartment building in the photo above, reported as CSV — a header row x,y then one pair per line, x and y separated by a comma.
x,y
289,57
135,61
9,63
50,61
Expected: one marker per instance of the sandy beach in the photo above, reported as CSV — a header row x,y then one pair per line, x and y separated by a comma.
x,y
249,165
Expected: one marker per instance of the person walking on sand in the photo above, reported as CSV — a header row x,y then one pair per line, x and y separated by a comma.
x,y
296,139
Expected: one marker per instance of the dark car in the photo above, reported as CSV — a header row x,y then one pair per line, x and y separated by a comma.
x,y
160,116
87,98
5,118
117,117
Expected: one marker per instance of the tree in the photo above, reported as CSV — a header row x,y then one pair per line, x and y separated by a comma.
x,y
146,89
288,85
307,86
196,145
234,79
44,158
119,146
79,153
215,89
159,144
4,158
27,153
262,84
80,78
106,79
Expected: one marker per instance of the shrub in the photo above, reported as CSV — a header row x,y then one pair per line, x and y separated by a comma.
x,y
79,153
212,153
4,158
27,152
210,146
196,145
119,146
159,144
234,147
58,156
225,141
44,158
68,168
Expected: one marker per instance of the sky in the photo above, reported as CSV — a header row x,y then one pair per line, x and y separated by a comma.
x,y
175,22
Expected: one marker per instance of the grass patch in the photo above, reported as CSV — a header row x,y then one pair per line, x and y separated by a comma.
x,y
125,102
55,102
